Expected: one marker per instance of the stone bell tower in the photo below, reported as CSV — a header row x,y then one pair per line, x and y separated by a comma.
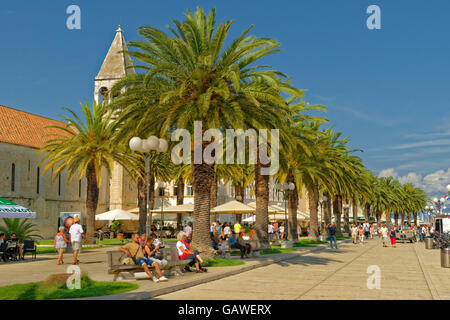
x,y
117,64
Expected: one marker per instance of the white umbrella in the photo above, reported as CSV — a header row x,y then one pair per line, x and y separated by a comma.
x,y
117,214
249,219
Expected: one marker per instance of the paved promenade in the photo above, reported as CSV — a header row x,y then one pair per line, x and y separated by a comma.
x,y
407,272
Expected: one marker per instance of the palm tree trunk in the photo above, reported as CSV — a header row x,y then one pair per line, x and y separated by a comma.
x,y
202,178
378,217
402,215
337,210
355,212
346,218
313,218
395,218
292,210
415,218
367,212
388,218
327,208
262,205
180,200
213,198
91,202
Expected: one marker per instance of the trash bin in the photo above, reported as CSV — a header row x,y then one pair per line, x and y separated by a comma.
x,y
429,243
445,258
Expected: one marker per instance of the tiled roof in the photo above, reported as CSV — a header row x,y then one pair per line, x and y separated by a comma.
x,y
26,129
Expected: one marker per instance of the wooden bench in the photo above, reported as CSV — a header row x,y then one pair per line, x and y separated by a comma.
x,y
174,265
256,245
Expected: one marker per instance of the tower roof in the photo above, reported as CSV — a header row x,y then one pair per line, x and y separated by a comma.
x,y
116,63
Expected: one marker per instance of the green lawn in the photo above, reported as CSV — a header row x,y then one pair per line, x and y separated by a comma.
x,y
38,291
307,243
272,251
220,262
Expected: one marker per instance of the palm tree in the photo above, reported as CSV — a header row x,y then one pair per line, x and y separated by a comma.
x,y
24,229
84,147
194,78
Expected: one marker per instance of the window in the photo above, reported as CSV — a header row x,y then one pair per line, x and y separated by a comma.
x,y
161,192
13,177
190,190
59,185
175,190
37,179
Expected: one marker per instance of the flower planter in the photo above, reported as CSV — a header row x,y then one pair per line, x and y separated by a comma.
x,y
120,236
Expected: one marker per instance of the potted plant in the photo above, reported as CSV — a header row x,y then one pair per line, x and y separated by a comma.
x,y
115,227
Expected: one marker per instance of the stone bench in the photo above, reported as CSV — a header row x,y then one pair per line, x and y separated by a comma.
x,y
174,265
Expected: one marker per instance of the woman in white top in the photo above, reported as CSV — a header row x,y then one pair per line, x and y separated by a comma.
x,y
61,242
185,253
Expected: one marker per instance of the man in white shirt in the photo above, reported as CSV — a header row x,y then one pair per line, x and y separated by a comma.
x,y
384,234
76,233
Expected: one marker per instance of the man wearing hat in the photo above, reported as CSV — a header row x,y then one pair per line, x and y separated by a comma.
x,y
76,233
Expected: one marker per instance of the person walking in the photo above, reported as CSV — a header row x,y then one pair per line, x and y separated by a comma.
x,y
361,235
76,233
384,234
372,231
393,236
60,244
354,234
281,231
332,235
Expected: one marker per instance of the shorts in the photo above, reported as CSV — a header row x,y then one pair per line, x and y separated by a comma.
x,y
147,261
385,239
76,245
393,241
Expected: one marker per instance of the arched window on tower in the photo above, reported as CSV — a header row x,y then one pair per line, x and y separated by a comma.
x,y
102,94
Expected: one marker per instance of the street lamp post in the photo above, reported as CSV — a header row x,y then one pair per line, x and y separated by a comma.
x,y
162,186
322,199
146,146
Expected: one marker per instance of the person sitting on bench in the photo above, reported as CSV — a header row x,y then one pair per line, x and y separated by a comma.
x,y
13,238
184,253
152,251
134,250
233,243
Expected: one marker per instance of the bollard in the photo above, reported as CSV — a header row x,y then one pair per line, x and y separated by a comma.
x,y
445,257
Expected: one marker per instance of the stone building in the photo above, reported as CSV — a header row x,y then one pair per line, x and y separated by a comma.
x,y
22,181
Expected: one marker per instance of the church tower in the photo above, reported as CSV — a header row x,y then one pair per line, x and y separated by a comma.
x,y
117,64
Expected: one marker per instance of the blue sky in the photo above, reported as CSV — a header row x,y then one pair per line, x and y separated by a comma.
x,y
387,89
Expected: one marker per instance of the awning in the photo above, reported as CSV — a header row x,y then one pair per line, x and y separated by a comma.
x,y
9,209
181,208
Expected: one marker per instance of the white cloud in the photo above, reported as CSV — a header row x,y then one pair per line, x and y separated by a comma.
x,y
433,183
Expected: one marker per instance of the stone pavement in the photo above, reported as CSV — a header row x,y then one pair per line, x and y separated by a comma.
x,y
408,271
93,262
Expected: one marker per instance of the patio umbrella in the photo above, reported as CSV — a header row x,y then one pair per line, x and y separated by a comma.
x,y
116,214
9,209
